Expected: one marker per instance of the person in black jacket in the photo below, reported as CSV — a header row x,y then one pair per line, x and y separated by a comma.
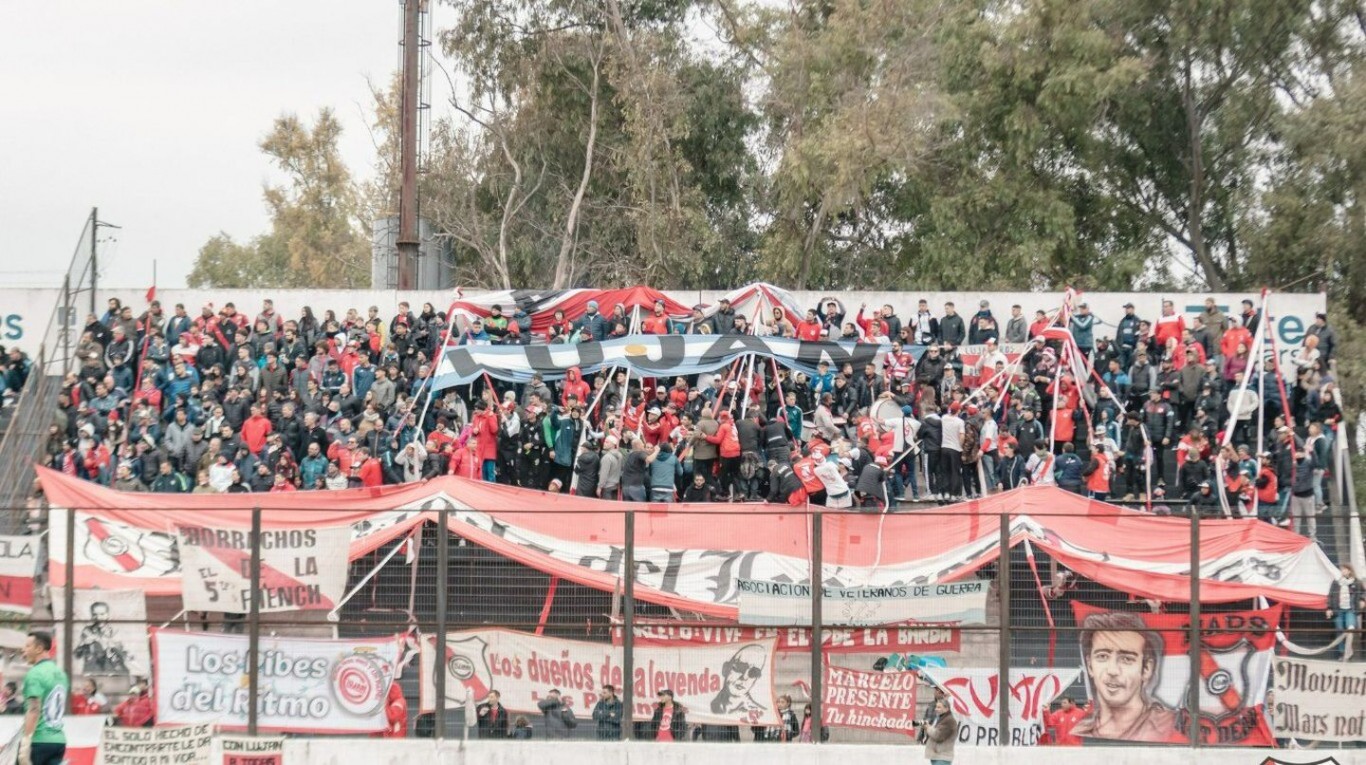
x,y
492,717
586,469
790,728
750,431
1204,501
1010,470
607,714
669,722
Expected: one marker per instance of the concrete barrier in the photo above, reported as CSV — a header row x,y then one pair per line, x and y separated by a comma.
x,y
387,752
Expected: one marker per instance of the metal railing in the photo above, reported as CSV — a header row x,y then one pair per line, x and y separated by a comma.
x,y
448,586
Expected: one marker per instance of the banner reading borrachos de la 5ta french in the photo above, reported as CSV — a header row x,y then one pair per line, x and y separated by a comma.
x,y
1139,673
301,569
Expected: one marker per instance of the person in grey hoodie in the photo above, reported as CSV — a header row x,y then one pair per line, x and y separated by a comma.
x,y
609,469
559,719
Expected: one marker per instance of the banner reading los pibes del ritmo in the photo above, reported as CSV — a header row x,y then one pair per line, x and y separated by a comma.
x,y
307,686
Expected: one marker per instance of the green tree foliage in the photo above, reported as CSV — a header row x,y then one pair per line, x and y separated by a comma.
x,y
898,144
316,237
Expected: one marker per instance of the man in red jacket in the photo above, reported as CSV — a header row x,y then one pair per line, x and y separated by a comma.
x,y
485,426
255,430
365,470
1060,723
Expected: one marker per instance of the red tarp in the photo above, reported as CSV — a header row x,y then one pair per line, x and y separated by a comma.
x,y
690,556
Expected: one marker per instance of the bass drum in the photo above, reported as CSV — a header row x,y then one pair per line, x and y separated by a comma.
x,y
1243,406
884,409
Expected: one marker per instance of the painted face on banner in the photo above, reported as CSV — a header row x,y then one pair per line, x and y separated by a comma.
x,y
1117,668
744,670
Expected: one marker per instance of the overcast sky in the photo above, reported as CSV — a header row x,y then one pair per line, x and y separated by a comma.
x,y
151,110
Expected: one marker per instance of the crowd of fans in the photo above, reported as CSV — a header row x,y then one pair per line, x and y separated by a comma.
x,y
224,401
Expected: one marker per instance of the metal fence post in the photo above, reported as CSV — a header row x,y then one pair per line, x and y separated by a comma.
x,y
628,634
817,627
65,323
1003,658
443,559
69,599
254,625
1193,690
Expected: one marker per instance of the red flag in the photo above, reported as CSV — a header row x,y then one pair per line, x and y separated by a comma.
x,y
151,293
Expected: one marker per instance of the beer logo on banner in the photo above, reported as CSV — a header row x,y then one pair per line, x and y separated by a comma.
x,y
468,665
361,681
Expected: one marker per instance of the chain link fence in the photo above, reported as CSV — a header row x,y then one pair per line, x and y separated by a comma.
x,y
501,625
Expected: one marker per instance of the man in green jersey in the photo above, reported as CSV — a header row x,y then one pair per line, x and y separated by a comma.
x,y
45,691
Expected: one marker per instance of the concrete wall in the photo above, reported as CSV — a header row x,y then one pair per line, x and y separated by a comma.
x,y
24,313
349,751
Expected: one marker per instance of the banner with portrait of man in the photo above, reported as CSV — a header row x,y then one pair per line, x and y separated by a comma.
x,y
111,631
1138,670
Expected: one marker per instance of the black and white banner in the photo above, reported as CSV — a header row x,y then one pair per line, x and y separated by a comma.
x,y
111,631
644,355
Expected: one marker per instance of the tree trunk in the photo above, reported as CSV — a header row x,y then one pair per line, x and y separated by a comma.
x,y
564,263
1195,206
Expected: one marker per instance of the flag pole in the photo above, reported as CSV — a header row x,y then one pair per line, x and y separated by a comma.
x,y
431,379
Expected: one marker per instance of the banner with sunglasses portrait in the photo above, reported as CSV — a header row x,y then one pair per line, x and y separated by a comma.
x,y
1138,670
729,684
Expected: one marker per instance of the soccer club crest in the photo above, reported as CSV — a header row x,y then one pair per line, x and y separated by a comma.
x,y
467,670
126,550
1225,679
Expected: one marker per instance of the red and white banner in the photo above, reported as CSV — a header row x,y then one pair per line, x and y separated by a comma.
x,y
918,638
1138,672
252,750
307,686
129,540
187,744
111,631
975,697
301,569
693,560
882,701
18,569
83,735
728,684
